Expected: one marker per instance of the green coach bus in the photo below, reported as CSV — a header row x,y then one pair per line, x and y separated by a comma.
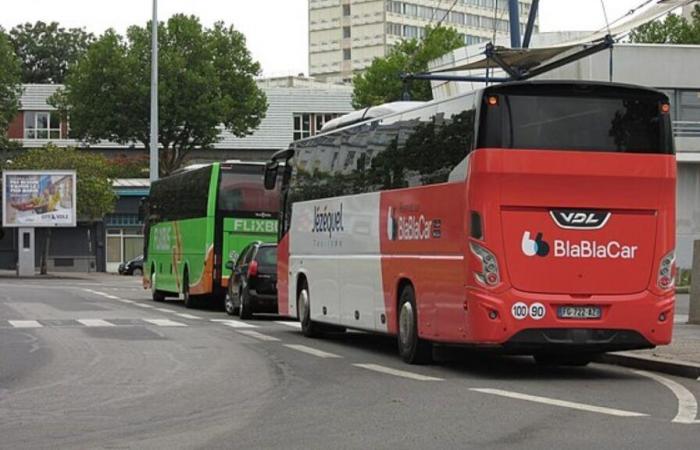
x,y
198,219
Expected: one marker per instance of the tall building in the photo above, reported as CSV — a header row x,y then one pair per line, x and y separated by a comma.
x,y
346,35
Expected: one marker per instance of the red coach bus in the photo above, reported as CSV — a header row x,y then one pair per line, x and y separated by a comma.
x,y
536,217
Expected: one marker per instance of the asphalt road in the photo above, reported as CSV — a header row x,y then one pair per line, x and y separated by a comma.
x,y
98,365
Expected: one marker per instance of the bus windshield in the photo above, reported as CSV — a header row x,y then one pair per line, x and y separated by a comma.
x,y
241,190
623,122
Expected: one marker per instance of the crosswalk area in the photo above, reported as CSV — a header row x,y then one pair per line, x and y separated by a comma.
x,y
155,321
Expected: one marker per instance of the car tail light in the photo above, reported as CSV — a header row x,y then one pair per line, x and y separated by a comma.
x,y
666,278
489,275
252,269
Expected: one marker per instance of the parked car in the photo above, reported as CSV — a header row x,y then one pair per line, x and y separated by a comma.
x,y
252,287
133,267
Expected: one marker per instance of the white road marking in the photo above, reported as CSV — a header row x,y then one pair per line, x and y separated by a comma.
x,y
556,402
165,323
143,305
25,323
234,323
95,323
187,316
312,351
123,300
165,310
687,404
256,335
398,373
289,324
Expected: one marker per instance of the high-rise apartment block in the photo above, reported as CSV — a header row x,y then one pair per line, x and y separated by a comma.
x,y
346,35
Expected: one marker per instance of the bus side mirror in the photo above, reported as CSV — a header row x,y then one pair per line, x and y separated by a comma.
x,y
271,175
229,265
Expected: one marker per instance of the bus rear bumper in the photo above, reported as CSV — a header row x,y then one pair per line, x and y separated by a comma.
x,y
633,321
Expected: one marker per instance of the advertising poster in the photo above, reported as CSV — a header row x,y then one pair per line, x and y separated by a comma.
x,y
38,199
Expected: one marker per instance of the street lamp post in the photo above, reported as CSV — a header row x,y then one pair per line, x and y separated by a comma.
x,y
154,95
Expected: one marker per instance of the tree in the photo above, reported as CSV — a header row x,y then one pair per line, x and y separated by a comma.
x,y
206,79
48,51
94,192
10,89
381,82
673,29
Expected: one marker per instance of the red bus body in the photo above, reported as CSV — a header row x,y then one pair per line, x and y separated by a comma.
x,y
568,230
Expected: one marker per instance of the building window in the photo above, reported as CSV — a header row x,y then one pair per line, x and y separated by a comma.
x,y
347,54
689,106
42,125
346,10
309,124
346,32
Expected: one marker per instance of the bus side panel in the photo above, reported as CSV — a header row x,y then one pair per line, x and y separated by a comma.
x,y
423,240
285,307
196,254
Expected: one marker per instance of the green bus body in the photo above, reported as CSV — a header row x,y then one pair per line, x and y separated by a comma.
x,y
201,218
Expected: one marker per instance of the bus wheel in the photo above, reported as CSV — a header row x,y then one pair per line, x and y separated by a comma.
x,y
189,299
552,360
308,327
156,295
244,310
412,349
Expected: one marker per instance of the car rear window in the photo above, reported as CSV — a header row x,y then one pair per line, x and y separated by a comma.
x,y
267,256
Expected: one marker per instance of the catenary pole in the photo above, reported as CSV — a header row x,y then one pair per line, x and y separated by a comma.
x,y
154,95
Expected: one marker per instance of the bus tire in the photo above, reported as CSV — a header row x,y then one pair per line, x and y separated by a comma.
x,y
156,295
309,328
190,300
413,349
245,310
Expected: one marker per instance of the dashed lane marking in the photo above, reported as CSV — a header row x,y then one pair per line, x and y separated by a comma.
x,y
296,325
165,323
165,310
398,373
187,316
557,402
25,323
95,323
143,305
687,404
312,351
256,335
233,323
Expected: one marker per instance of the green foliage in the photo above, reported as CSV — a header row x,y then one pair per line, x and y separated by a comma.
x,y
94,188
674,29
124,166
381,82
10,88
47,51
206,78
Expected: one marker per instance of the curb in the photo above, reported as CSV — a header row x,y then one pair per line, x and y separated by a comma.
x,y
679,368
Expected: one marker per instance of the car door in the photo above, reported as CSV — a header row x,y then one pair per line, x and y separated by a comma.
x,y
238,273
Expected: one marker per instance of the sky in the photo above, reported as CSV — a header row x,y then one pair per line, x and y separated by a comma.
x,y
276,30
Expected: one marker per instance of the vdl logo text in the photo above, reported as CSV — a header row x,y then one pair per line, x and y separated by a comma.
x,y
328,221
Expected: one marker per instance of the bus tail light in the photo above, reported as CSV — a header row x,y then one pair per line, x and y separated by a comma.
x,y
252,269
489,275
666,279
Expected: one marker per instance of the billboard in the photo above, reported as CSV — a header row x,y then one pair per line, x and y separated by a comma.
x,y
38,198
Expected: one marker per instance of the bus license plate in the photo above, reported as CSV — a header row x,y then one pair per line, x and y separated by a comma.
x,y
579,312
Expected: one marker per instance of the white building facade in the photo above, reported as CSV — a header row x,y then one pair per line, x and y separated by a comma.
x,y
346,35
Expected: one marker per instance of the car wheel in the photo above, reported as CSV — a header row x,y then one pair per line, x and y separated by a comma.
x,y
156,295
309,328
228,304
190,300
137,272
412,348
245,311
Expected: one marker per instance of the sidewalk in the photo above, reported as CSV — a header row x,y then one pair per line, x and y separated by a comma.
x,y
681,357
92,276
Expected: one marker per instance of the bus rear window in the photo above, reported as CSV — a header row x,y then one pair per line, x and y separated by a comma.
x,y
241,189
625,124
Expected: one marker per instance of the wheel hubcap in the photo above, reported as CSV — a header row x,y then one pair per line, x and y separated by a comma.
x,y
406,324
303,304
